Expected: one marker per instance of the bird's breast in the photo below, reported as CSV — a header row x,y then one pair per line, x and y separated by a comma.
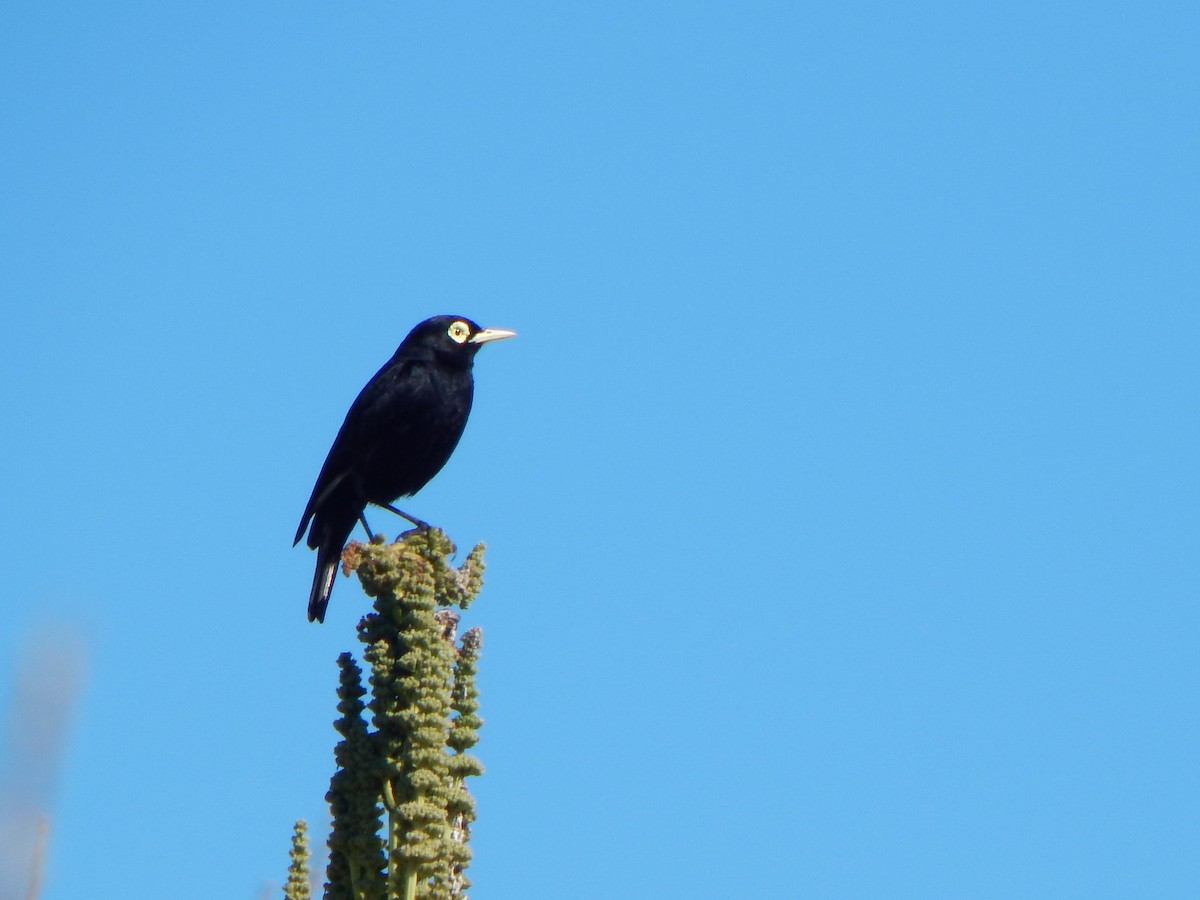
x,y
416,440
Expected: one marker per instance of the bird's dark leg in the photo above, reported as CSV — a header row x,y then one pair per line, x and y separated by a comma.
x,y
424,525
366,527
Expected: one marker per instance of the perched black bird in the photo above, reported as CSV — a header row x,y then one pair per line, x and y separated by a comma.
x,y
398,434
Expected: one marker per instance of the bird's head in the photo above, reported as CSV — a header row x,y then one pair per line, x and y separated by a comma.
x,y
451,339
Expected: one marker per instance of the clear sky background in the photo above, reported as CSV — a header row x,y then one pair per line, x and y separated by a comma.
x,y
841,488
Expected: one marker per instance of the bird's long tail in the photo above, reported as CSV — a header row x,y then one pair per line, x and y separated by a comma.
x,y
328,557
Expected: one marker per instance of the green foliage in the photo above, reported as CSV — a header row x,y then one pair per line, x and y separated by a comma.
x,y
401,810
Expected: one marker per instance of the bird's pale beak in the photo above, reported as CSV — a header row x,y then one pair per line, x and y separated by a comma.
x,y
490,334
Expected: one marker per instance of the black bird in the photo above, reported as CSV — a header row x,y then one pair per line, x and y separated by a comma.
x,y
398,434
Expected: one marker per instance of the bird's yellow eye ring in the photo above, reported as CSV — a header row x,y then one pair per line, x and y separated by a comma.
x,y
459,331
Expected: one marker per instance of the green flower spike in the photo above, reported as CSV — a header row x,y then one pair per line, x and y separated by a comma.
x,y
423,705
297,881
356,861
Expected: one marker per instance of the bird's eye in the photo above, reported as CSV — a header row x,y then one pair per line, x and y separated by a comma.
x,y
459,332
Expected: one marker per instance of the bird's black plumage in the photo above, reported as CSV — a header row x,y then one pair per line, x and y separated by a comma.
x,y
398,434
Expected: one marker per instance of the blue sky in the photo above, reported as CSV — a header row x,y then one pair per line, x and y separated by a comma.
x,y
840,489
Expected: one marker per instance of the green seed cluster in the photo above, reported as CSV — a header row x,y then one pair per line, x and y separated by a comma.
x,y
356,850
297,886
412,767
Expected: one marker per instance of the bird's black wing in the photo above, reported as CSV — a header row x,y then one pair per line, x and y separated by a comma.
x,y
380,410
